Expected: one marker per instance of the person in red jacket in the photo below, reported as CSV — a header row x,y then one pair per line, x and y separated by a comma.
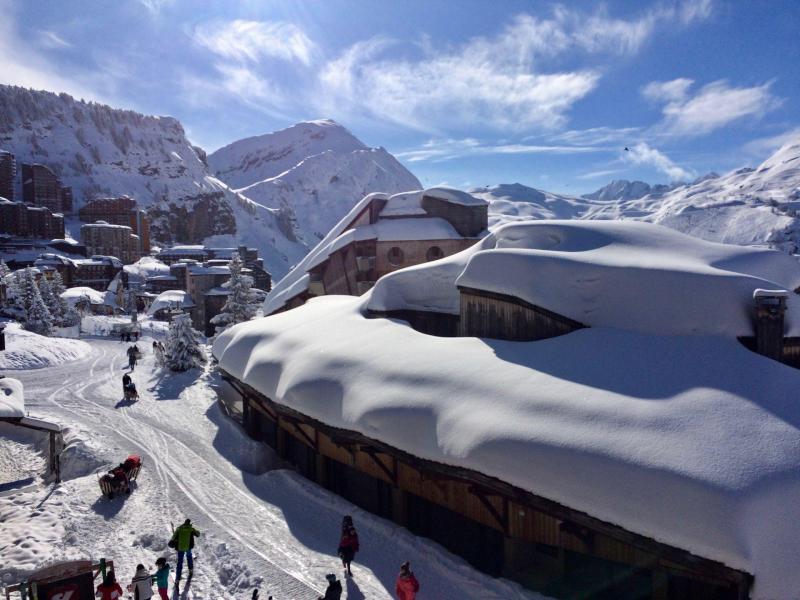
x,y
348,544
407,585
109,589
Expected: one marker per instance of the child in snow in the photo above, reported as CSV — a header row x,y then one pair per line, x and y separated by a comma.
x,y
334,589
162,578
132,352
348,544
142,584
109,589
183,542
406,586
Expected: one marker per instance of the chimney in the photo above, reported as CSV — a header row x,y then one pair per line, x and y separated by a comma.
x,y
770,310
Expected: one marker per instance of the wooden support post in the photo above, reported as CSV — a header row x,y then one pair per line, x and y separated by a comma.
x,y
281,434
322,475
51,462
399,506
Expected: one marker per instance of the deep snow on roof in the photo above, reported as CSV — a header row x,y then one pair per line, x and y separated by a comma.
x,y
691,440
622,274
77,294
171,299
12,398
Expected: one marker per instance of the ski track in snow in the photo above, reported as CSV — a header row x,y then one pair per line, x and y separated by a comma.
x,y
276,531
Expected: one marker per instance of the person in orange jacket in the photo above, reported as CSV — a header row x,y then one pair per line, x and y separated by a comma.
x,y
406,586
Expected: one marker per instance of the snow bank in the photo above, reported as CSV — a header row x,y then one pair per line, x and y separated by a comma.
x,y
28,350
12,398
626,274
691,440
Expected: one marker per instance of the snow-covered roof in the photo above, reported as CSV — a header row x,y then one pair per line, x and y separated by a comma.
x,y
622,274
169,299
147,266
691,440
77,294
12,398
415,227
209,270
218,291
188,249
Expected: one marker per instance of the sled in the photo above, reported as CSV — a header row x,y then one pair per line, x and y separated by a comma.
x,y
131,393
118,480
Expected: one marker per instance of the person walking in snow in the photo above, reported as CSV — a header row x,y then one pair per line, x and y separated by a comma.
x,y
183,541
406,586
126,383
162,578
141,584
132,352
109,589
348,544
334,589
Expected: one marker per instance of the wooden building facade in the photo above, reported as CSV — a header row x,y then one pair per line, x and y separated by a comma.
x,y
500,529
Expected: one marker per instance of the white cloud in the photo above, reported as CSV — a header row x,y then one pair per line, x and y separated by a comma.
x,y
250,41
438,150
499,81
642,154
767,145
714,106
599,174
597,135
50,40
154,7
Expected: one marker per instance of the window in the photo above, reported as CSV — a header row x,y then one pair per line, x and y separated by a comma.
x,y
434,253
395,256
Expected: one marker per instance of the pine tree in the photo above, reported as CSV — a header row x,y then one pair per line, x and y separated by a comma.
x,y
37,317
183,348
4,270
238,307
51,301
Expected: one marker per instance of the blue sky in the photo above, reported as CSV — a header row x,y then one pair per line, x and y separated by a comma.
x,y
466,92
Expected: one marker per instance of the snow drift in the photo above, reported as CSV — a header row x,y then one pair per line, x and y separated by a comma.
x,y
12,398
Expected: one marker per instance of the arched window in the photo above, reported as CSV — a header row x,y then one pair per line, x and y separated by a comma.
x,y
434,253
395,256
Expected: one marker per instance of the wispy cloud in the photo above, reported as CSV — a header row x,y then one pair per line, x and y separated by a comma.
x,y
643,154
499,81
599,174
154,7
438,150
596,135
713,106
250,41
765,145
50,40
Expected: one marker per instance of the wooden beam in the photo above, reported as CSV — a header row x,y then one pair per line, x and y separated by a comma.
x,y
483,496
392,475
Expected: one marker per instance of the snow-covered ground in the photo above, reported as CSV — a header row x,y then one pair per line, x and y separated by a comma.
x,y
28,350
270,528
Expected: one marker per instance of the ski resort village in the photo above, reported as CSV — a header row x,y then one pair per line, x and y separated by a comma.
x,y
405,300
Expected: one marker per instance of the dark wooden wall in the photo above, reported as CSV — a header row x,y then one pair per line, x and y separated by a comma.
x,y
490,315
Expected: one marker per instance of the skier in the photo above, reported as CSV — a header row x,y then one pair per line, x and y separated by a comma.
x,y
109,589
183,541
348,544
162,578
406,586
132,352
334,589
142,584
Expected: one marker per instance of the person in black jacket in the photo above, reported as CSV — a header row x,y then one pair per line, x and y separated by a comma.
x,y
334,590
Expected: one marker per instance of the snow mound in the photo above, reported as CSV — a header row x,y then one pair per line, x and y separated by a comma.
x,y
145,267
170,298
691,440
74,295
28,350
12,398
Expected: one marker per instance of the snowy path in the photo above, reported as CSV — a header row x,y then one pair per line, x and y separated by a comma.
x,y
275,529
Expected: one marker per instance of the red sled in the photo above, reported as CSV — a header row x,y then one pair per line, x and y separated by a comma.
x,y
118,480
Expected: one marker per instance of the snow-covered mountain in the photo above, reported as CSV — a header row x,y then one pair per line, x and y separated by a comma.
x,y
313,173
622,189
102,151
748,206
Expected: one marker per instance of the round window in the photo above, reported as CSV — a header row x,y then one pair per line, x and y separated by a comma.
x,y
434,253
395,256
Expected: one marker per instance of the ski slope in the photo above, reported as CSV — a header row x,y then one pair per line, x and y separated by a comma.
x,y
266,528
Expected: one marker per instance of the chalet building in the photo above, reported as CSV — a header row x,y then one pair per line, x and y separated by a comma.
x,y
112,240
212,256
380,235
584,283
96,272
21,220
49,263
119,211
8,175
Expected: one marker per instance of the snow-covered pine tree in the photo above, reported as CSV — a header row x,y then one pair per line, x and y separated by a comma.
x,y
239,306
183,348
4,270
51,301
37,317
